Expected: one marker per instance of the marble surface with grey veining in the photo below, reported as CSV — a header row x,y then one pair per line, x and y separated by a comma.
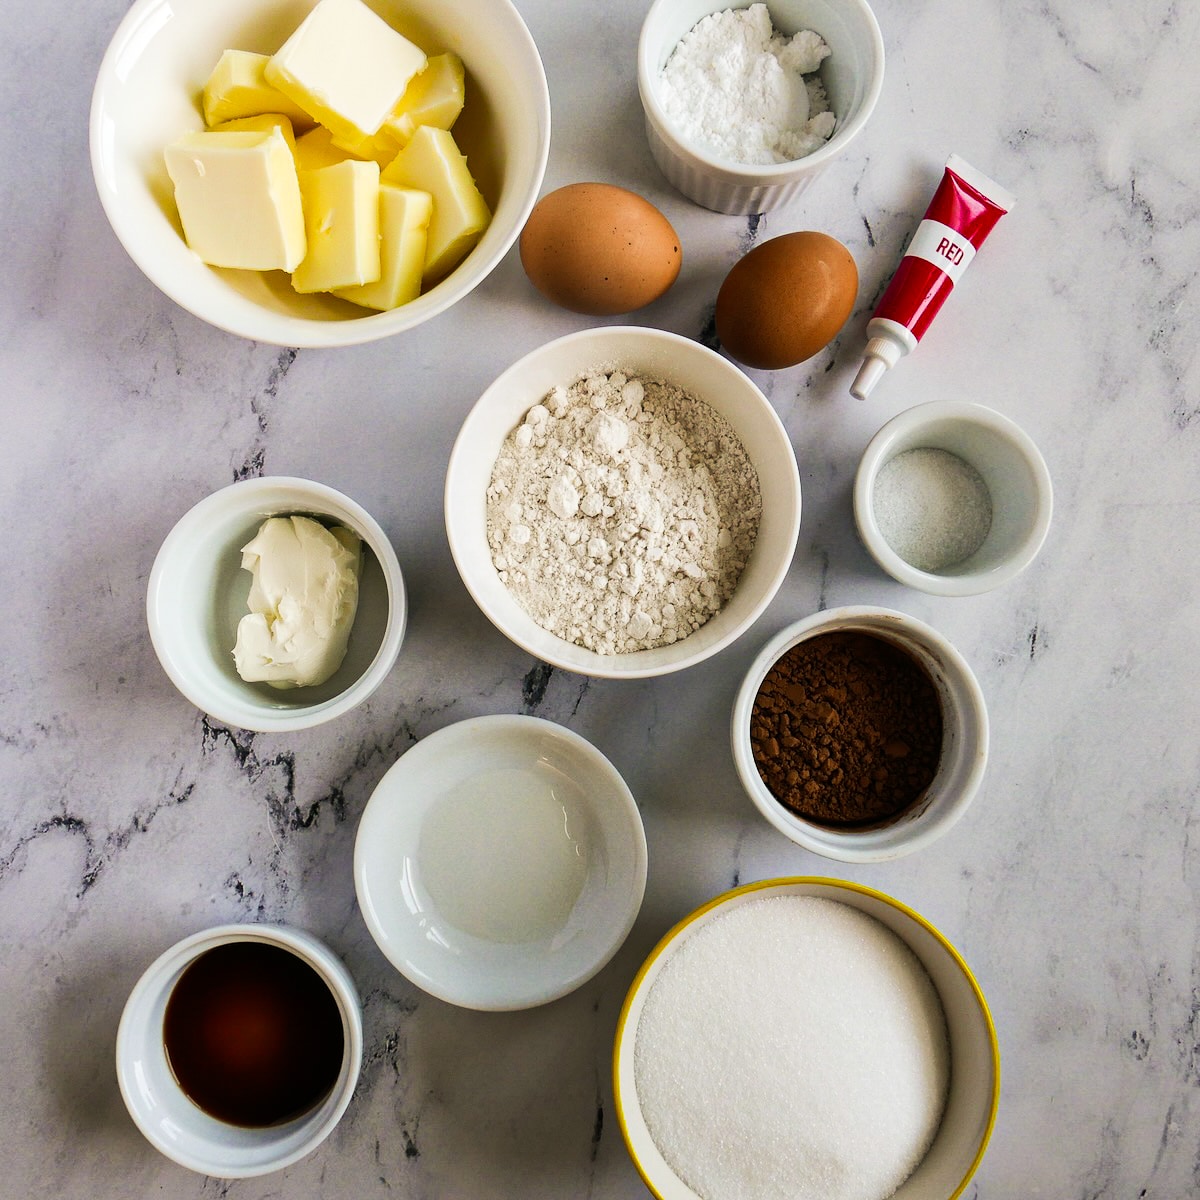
x,y
128,819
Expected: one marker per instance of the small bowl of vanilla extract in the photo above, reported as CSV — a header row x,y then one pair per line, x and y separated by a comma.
x,y
239,1049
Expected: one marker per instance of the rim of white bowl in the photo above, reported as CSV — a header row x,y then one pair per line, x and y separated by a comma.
x,y
904,425
262,719
763,174
532,998
598,666
158,977
294,331
890,841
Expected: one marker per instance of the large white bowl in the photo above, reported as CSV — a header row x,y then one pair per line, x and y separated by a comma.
x,y
394,877
197,595
656,354
853,78
974,1096
147,94
964,738
178,1127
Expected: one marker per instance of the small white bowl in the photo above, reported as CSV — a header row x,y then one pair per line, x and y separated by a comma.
x,y
974,1095
964,738
449,899
197,596
853,78
1012,468
176,1126
146,95
655,354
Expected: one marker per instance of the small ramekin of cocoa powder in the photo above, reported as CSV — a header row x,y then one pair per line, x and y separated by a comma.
x,y
860,733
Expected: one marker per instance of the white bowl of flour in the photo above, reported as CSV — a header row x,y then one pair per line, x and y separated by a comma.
x,y
622,502
806,1039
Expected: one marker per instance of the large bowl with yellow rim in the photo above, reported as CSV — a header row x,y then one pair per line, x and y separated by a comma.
x,y
974,1089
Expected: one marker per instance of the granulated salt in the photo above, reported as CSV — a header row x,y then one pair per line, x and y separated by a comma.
x,y
932,507
793,1048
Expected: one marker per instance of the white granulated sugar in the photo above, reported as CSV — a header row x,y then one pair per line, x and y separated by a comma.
x,y
793,1048
932,507
621,512
744,91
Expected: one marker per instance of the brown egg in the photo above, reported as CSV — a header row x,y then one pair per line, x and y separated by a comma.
x,y
599,249
786,299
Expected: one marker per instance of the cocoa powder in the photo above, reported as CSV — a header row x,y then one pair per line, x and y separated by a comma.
x,y
846,729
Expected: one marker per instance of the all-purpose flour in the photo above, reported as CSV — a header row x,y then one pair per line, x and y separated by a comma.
x,y
621,512
746,92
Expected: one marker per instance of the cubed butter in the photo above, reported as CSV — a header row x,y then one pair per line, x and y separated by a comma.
x,y
346,67
434,97
316,149
239,199
263,123
238,88
433,163
403,231
341,223
378,149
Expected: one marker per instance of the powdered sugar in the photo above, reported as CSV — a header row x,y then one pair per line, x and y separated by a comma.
x,y
621,512
746,92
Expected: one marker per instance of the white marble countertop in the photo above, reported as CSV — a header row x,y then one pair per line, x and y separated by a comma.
x,y
1071,885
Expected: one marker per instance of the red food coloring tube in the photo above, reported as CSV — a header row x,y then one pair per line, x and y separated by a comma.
x,y
963,211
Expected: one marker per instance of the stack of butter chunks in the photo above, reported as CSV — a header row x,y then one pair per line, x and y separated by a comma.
x,y
332,160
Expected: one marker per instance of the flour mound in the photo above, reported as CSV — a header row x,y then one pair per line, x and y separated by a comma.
x,y
621,513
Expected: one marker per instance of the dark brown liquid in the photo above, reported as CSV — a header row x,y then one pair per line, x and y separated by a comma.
x,y
253,1034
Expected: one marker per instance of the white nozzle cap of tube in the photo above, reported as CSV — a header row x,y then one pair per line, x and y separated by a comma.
x,y
881,354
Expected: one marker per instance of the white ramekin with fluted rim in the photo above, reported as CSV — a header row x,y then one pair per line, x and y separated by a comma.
x,y
853,78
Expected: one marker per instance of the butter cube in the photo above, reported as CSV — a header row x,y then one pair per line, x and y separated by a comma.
x,y
403,228
239,199
433,163
316,149
341,222
378,149
238,88
263,123
434,97
346,67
